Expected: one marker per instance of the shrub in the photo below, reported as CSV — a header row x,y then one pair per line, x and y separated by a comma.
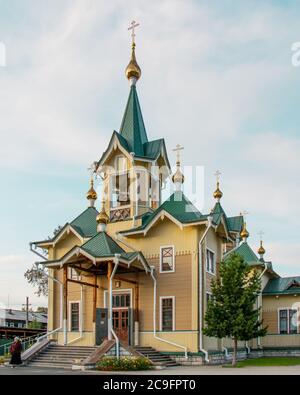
x,y
123,364
4,358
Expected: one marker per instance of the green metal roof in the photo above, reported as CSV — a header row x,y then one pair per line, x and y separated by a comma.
x,y
86,224
178,206
102,245
283,286
246,252
133,127
235,224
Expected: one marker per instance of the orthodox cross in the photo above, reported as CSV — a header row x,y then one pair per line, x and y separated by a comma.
x,y
177,150
93,167
217,174
133,26
261,233
244,213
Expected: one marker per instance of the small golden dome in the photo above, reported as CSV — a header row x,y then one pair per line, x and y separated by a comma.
x,y
178,177
244,233
218,194
261,249
133,69
92,194
102,217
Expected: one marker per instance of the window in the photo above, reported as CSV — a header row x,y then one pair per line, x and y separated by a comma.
x,y
121,301
210,262
288,321
73,275
121,164
167,261
167,320
74,316
293,316
11,324
20,325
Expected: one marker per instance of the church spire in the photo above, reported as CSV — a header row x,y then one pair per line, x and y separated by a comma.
x,y
133,71
133,127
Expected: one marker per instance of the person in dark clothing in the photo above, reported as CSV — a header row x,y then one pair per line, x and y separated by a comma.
x,y
15,351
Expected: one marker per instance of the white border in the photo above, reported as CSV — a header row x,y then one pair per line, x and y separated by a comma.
x,y
173,313
160,260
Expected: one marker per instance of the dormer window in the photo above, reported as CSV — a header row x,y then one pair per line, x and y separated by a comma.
x,y
121,164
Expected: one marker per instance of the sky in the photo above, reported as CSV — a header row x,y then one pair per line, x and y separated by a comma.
x,y
217,78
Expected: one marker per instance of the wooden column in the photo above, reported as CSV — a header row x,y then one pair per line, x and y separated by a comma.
x,y
65,304
95,298
137,307
65,292
110,323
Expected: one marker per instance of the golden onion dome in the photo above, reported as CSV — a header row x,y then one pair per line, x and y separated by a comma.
x,y
133,69
178,176
92,194
244,233
102,217
218,194
261,250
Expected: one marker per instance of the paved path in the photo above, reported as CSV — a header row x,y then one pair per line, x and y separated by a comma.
x,y
184,370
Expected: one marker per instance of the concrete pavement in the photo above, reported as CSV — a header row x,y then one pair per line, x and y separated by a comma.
x,y
184,370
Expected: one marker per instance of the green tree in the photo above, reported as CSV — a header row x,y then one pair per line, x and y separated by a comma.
x,y
231,312
35,324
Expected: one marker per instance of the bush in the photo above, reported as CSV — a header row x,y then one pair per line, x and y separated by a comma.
x,y
4,359
123,364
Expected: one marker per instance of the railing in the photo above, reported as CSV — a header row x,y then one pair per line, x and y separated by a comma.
x,y
27,342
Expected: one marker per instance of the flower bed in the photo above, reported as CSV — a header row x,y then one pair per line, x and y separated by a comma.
x,y
110,364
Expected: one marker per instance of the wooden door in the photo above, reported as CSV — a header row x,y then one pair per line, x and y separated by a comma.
x,y
120,324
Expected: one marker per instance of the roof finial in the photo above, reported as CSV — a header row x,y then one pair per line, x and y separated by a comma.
x,y
218,193
133,71
91,194
178,177
102,219
261,251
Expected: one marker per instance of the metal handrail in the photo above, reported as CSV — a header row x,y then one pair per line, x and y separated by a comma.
x,y
24,342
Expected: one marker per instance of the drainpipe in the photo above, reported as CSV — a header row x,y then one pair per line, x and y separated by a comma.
x,y
111,331
259,301
154,317
200,285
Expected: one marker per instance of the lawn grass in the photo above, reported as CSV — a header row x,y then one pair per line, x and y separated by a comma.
x,y
275,361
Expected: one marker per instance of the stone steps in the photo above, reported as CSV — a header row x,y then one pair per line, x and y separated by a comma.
x,y
61,357
156,357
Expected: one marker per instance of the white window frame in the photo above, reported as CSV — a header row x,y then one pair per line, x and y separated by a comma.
x,y
120,291
215,262
160,260
70,317
78,276
173,313
288,321
122,171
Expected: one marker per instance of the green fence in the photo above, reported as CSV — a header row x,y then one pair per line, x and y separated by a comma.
x,y
2,342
